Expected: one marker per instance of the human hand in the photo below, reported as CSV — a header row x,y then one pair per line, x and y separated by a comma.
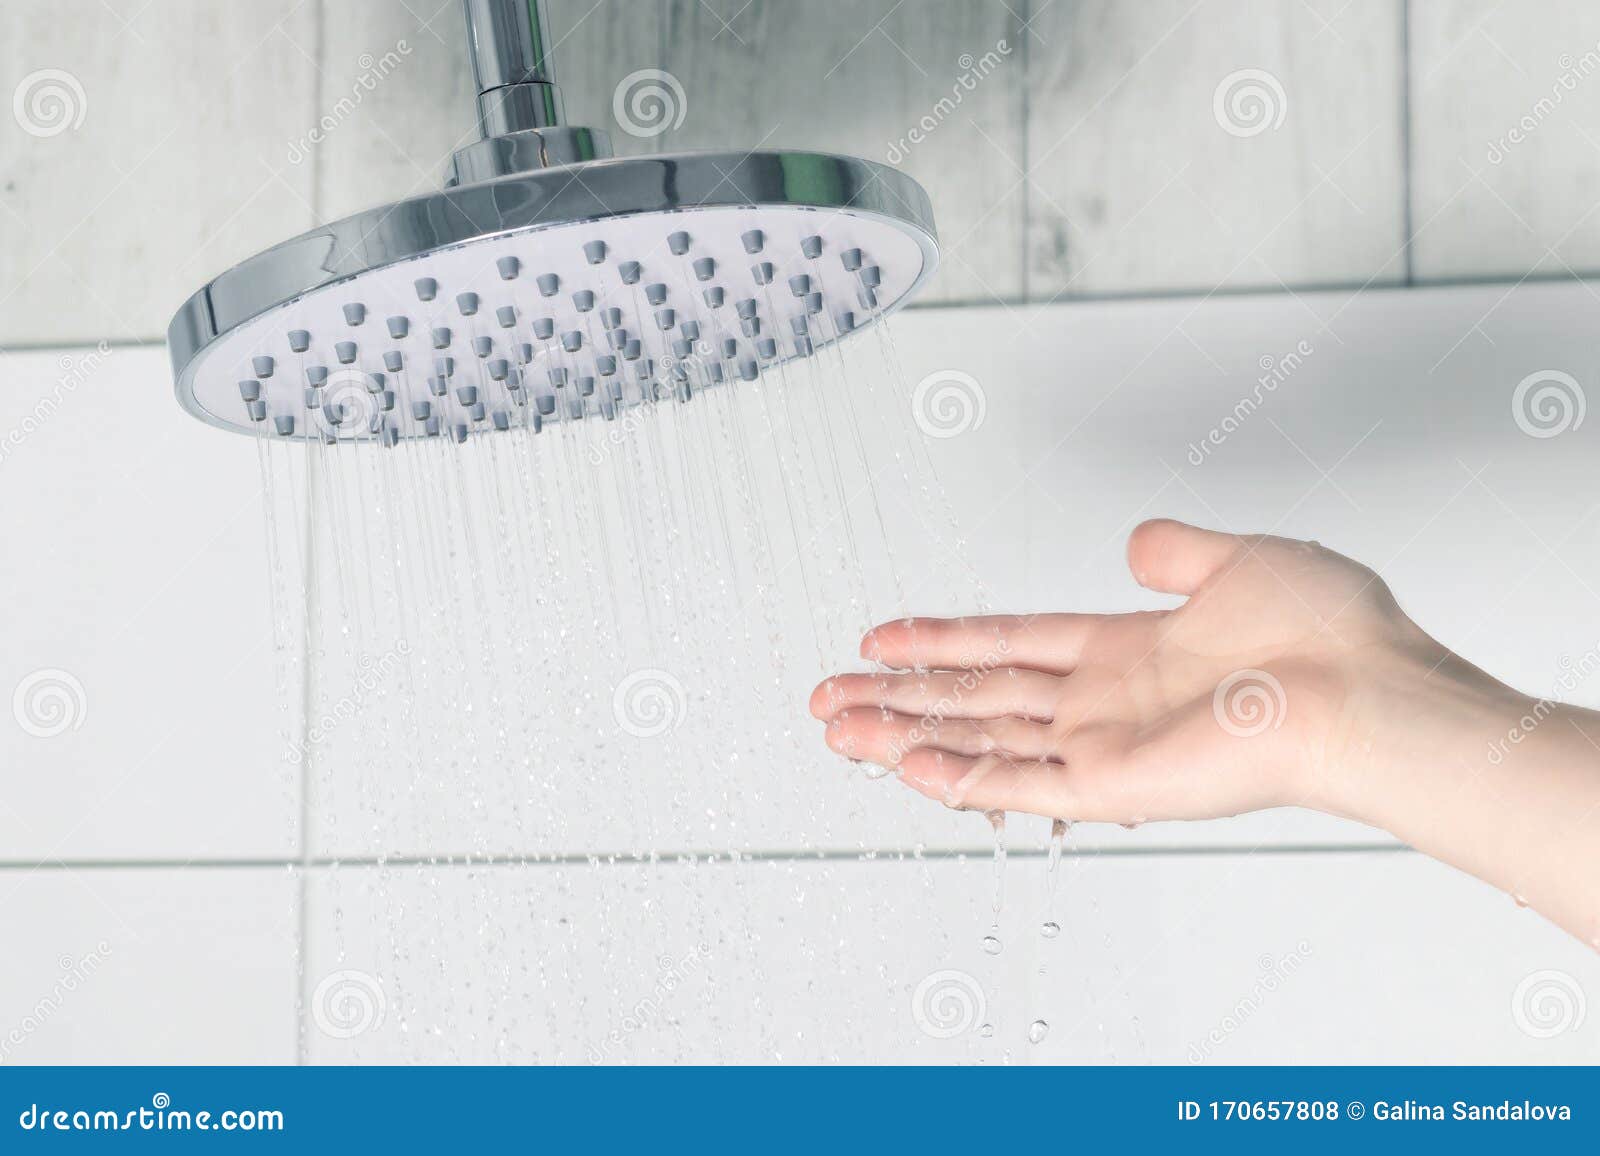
x,y
1273,684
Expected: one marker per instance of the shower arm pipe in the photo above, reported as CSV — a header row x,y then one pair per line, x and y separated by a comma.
x,y
521,119
509,41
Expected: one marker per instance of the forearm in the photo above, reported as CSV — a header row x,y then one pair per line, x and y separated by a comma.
x,y
1491,781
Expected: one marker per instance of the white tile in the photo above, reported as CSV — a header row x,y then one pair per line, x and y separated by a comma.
x,y
1506,160
146,717
1138,182
148,966
167,163
1091,413
1339,958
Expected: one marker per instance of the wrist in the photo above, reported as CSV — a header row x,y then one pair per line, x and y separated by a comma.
x,y
1415,719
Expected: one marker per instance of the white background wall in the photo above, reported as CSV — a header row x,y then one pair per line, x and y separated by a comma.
x,y
163,826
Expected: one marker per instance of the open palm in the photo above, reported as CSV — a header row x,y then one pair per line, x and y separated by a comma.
x,y
1241,698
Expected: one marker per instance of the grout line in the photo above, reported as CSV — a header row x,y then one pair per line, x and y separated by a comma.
x,y
303,882
1023,278
1407,222
319,52
1131,296
677,858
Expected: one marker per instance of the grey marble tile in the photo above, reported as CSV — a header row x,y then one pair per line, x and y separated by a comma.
x,y
1506,175
934,89
404,75
1185,146
151,154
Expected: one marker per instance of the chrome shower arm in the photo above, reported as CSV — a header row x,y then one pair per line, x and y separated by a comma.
x,y
520,113
511,65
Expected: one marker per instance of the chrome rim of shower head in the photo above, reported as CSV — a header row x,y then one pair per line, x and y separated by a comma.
x,y
854,217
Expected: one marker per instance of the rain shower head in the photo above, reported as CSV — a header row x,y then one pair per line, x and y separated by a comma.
x,y
549,281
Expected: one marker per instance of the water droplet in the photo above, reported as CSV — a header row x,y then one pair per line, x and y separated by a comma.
x,y
1037,1031
986,1030
1050,929
991,944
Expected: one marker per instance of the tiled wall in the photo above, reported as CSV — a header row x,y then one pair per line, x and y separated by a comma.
x,y
1082,147
158,867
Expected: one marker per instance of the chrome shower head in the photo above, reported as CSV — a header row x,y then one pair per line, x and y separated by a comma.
x,y
549,281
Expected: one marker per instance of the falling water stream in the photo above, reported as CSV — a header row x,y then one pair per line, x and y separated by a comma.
x,y
592,636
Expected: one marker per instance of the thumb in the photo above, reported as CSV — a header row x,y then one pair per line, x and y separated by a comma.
x,y
1175,557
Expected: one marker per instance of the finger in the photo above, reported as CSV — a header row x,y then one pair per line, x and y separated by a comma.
x,y
1177,558
1047,642
1103,775
947,694
884,737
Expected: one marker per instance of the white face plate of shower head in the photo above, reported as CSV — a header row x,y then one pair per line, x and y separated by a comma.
x,y
552,296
